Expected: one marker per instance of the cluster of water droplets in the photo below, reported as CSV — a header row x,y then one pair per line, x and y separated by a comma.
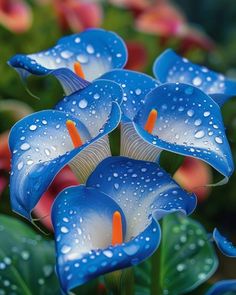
x,y
188,122
186,72
141,189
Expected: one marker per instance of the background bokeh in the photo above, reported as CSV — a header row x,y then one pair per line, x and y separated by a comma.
x,y
203,30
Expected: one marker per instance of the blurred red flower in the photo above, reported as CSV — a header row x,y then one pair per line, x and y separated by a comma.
x,y
137,56
78,15
15,15
194,175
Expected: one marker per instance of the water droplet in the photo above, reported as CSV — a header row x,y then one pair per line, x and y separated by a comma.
x,y
197,81
25,146
65,249
64,229
107,253
90,49
83,103
199,134
190,113
82,58
20,165
206,114
25,255
33,127
218,139
66,54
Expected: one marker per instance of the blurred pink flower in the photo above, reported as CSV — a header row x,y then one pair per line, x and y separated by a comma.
x,y
63,179
137,56
194,175
134,4
15,15
78,15
4,161
166,21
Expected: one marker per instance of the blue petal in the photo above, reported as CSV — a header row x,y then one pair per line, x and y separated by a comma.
x,y
142,189
189,123
41,147
225,287
169,67
224,245
97,50
92,105
82,220
135,86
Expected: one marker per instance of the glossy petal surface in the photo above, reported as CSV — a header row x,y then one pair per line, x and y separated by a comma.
x,y
142,189
82,219
41,147
135,86
224,245
92,105
169,67
189,123
97,51
226,287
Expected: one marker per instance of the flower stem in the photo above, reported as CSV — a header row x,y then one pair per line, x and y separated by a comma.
x,y
156,288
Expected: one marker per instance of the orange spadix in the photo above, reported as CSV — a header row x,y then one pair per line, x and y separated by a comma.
x,y
117,232
78,70
151,120
74,133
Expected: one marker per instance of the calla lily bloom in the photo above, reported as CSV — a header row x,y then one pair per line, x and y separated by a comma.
x,y
78,15
15,15
170,67
74,58
223,244
112,222
176,117
74,133
225,287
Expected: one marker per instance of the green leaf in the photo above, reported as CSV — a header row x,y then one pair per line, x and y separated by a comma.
x,y
188,258
26,260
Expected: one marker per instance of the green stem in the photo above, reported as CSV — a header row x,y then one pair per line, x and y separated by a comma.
x,y
156,288
120,282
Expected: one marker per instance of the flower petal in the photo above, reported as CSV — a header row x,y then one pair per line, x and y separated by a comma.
x,y
135,86
223,288
93,104
41,147
142,189
82,219
169,67
189,123
97,50
224,245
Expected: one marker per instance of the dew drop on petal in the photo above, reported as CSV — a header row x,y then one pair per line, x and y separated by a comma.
x,y
83,103
199,134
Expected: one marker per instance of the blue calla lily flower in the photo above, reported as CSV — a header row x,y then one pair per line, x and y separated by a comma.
x,y
95,50
41,144
170,67
226,287
224,245
82,217
186,121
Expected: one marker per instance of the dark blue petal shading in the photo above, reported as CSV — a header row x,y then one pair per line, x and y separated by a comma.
x,y
226,287
97,50
189,123
170,67
224,245
142,189
82,220
135,86
92,104
41,147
